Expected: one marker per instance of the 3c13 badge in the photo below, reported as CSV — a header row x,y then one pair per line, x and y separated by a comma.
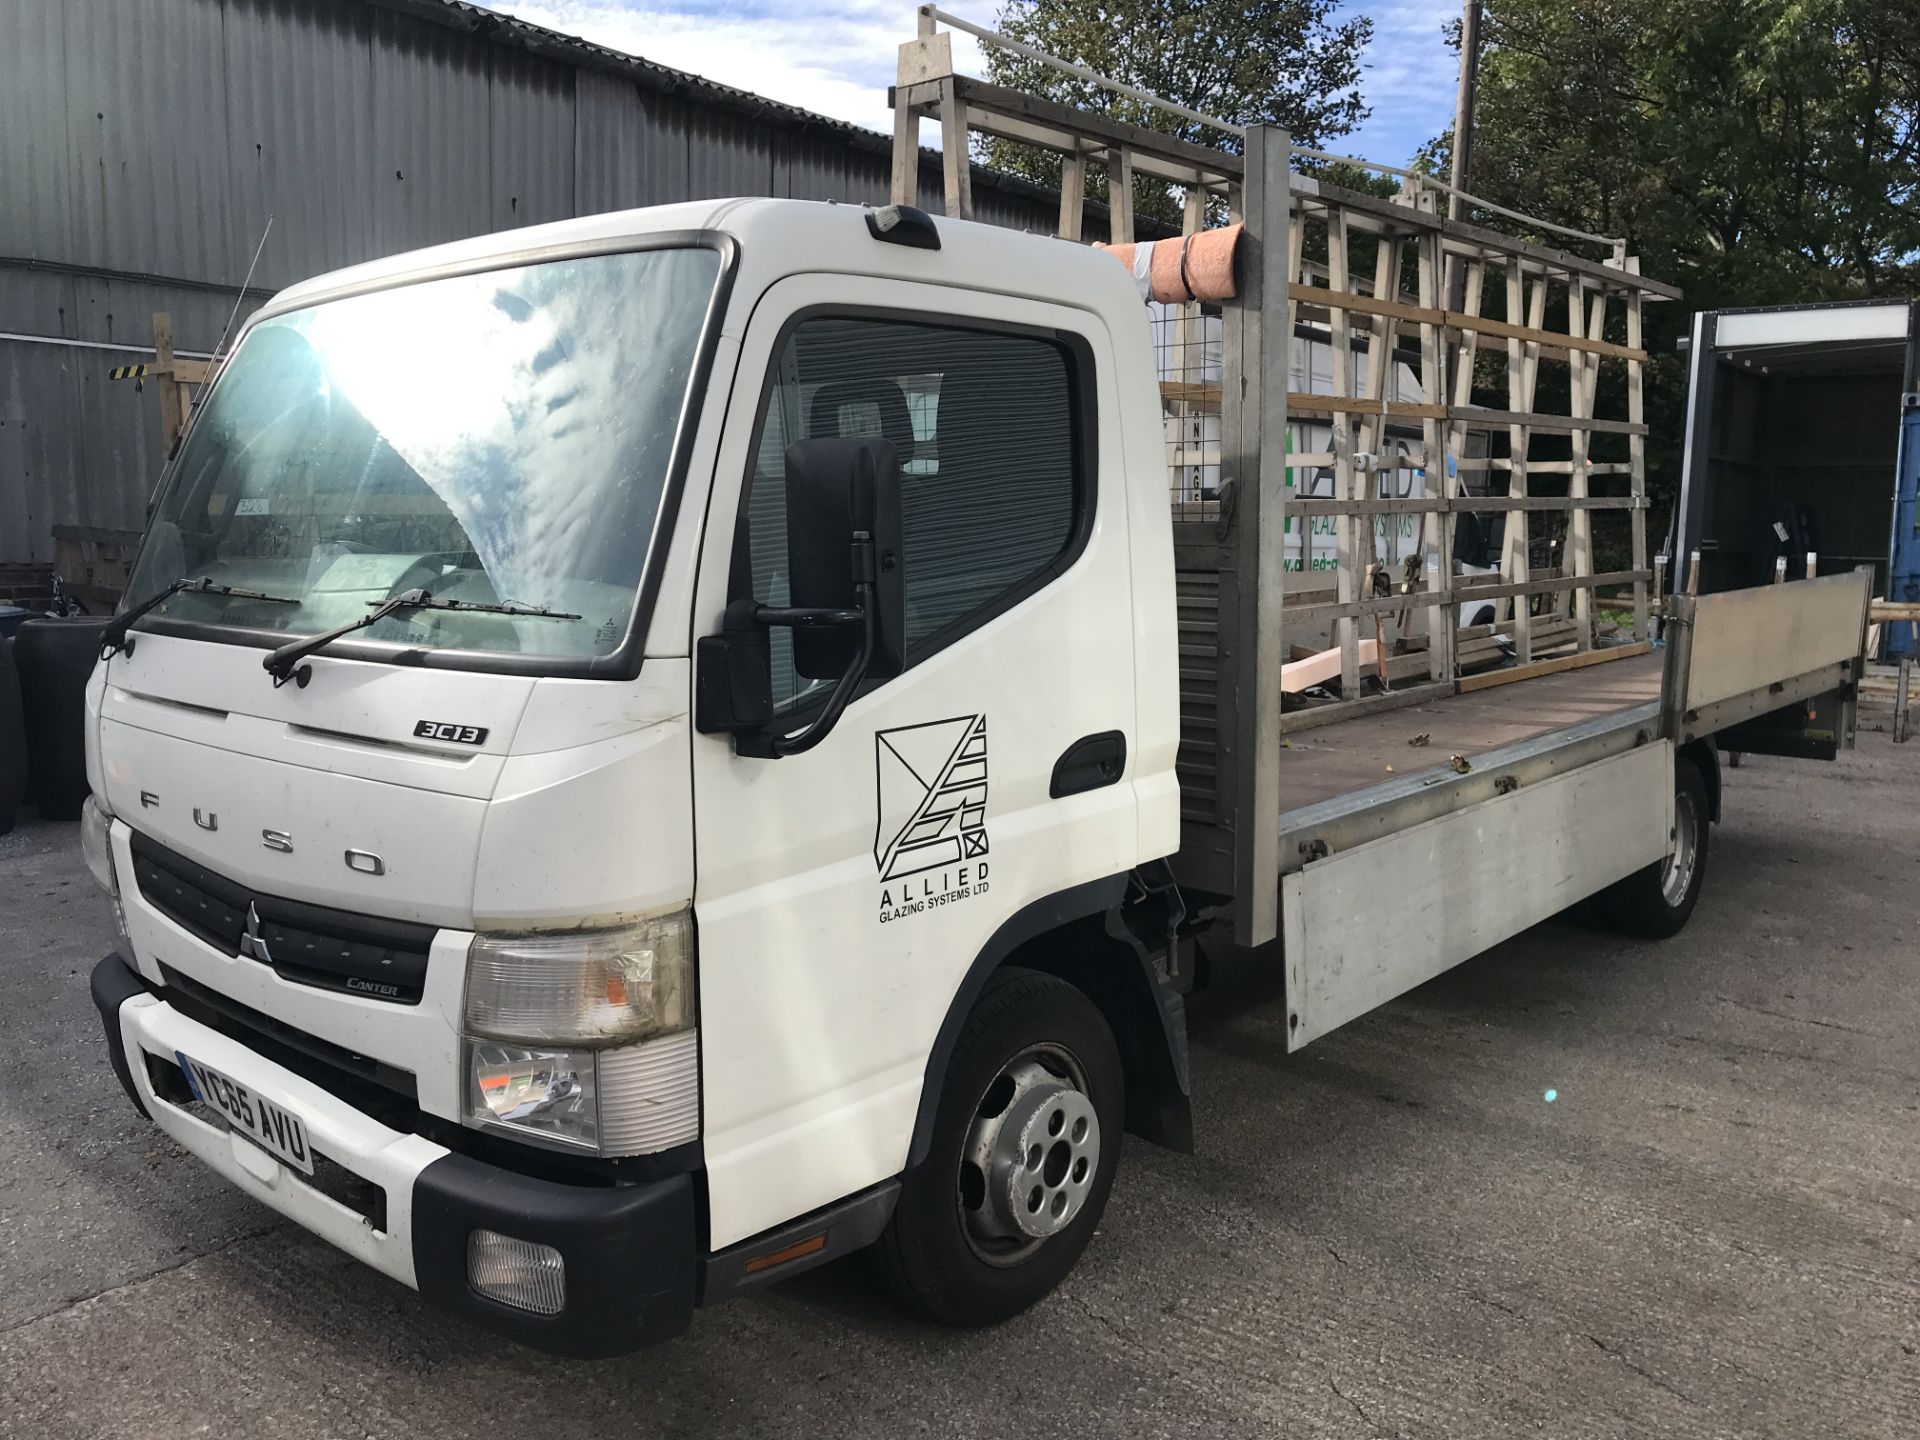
x,y
930,800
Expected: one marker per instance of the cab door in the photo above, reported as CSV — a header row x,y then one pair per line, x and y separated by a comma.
x,y
844,892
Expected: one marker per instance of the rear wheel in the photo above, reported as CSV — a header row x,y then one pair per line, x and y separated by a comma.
x,y
1657,901
1025,1143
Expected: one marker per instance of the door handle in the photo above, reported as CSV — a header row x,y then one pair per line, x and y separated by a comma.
x,y
1089,763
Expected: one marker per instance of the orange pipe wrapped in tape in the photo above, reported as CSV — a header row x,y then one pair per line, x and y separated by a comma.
x,y
1192,267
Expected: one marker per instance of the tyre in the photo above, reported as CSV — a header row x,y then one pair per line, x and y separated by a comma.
x,y
55,657
1025,1143
1657,901
13,738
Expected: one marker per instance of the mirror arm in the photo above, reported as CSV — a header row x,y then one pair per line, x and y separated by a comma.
x,y
837,702
849,681
806,619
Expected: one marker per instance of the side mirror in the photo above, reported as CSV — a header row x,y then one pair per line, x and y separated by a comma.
x,y
838,490
846,583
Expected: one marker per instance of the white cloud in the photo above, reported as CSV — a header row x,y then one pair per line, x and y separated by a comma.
x,y
838,61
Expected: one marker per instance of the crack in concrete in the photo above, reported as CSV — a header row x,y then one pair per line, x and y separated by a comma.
x,y
1638,1369
137,1280
1111,1327
1358,1408
352,1412
1722,1047
1800,1019
1492,1304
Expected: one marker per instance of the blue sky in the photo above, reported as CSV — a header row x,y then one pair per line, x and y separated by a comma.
x,y
838,59
1409,77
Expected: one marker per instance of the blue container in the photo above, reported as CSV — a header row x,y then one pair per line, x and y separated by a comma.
x,y
12,617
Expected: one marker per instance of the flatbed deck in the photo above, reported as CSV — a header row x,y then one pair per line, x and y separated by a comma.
x,y
1359,780
1352,755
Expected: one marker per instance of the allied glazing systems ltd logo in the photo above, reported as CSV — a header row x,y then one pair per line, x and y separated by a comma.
x,y
930,799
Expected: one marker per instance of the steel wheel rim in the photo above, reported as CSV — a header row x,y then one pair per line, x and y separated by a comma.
x,y
1676,874
1014,1151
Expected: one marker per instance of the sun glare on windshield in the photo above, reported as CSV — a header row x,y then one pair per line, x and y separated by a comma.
x,y
500,438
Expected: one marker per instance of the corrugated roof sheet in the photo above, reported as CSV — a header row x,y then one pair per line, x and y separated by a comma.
x,y
571,49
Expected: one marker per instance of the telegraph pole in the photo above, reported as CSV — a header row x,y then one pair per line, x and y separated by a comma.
x,y
1463,105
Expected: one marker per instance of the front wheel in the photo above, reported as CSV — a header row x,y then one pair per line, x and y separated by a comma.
x,y
1025,1143
1657,901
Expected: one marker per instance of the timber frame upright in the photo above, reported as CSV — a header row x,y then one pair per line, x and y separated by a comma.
x,y
1255,357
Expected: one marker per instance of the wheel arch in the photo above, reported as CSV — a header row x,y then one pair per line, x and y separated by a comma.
x,y
1078,935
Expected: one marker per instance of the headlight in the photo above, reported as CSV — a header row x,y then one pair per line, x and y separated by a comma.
x,y
587,1039
96,843
636,1100
591,988
545,1093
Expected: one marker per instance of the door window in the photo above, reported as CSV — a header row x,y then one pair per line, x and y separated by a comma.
x,y
987,427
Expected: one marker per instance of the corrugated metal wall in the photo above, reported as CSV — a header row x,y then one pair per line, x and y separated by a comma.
x,y
144,143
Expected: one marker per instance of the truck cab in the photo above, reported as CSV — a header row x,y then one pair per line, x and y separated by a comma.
x,y
648,768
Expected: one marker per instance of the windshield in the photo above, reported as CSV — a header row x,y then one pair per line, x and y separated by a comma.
x,y
501,437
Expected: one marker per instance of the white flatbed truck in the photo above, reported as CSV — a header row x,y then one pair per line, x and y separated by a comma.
x,y
666,757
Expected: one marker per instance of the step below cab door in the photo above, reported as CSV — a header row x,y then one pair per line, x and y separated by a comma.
x,y
1771,670
844,892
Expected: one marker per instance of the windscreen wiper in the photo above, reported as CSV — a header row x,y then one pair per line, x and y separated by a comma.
x,y
282,662
114,637
498,607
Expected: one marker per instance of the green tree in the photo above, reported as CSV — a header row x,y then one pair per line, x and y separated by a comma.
x,y
1752,151
1757,145
1287,62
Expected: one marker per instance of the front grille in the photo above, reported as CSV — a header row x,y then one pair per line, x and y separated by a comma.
x,y
307,944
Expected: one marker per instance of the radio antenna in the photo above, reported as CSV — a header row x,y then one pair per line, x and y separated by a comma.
x,y
239,300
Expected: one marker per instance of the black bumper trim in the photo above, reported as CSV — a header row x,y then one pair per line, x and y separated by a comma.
x,y
113,984
629,1250
330,1066
846,1225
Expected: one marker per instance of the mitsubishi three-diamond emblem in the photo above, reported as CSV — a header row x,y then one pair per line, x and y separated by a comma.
x,y
251,945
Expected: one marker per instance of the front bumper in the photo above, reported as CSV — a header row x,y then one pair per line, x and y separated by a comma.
x,y
630,1250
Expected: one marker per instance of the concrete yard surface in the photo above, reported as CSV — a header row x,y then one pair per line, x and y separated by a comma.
x,y
1708,1232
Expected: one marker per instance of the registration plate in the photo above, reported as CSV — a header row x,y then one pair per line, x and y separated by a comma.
x,y
277,1131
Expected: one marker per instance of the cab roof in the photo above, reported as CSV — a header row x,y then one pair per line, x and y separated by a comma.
x,y
773,237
